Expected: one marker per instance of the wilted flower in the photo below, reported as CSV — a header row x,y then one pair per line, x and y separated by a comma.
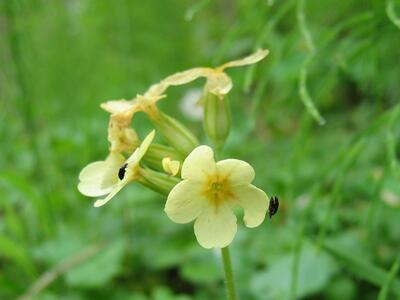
x,y
121,136
110,176
218,82
208,193
176,134
123,109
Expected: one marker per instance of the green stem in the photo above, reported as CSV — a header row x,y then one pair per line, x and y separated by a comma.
x,y
229,281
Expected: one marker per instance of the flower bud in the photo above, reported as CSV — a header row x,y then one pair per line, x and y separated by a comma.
x,y
175,133
156,153
217,118
171,166
157,181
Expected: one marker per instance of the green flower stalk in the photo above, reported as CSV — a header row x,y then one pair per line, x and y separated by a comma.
x,y
157,181
175,133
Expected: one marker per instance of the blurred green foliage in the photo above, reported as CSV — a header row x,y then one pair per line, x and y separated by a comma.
x,y
337,233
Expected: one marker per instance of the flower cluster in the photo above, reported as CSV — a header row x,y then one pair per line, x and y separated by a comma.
x,y
197,187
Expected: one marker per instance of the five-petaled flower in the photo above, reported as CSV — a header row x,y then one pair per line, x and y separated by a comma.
x,y
208,193
108,177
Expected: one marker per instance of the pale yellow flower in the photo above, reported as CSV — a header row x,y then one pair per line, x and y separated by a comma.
x,y
110,176
218,82
99,177
171,166
209,191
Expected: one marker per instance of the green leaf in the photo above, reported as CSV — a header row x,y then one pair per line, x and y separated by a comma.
x,y
361,267
16,253
202,269
314,272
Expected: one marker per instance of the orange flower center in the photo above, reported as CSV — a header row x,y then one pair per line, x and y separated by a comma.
x,y
217,190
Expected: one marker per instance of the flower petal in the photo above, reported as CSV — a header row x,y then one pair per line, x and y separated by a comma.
x,y
187,76
215,229
199,163
254,203
136,156
147,100
238,171
219,84
156,89
185,202
117,106
114,191
248,60
98,178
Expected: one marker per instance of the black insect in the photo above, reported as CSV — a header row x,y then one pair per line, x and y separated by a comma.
x,y
273,206
121,172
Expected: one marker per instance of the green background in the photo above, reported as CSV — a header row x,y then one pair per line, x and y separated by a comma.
x,y
337,231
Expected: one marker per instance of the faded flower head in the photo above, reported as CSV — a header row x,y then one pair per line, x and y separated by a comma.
x,y
123,110
208,193
218,82
122,138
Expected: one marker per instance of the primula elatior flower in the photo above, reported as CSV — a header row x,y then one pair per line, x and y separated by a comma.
x,y
98,178
218,82
209,191
110,176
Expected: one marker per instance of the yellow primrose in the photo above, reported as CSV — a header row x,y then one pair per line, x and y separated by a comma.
x,y
110,176
218,82
171,166
208,192
99,177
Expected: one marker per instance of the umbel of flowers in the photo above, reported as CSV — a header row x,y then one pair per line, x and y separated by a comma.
x,y
197,187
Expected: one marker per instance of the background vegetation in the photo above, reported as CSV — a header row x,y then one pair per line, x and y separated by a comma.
x,y
337,233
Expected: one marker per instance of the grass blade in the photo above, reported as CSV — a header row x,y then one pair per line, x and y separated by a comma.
x,y
392,14
303,90
392,275
364,269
